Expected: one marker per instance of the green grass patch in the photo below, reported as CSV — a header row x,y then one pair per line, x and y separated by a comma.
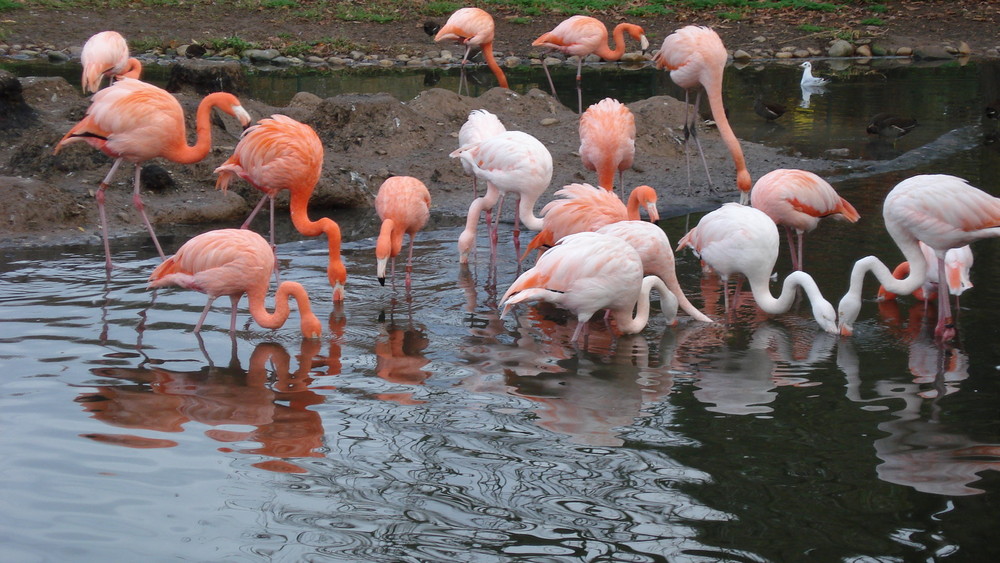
x,y
8,5
440,8
233,42
872,21
520,20
273,4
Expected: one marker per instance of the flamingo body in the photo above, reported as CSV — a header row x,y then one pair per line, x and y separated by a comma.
x,y
234,262
607,140
280,153
403,203
696,58
473,27
944,212
106,54
797,200
736,239
587,272
480,125
134,121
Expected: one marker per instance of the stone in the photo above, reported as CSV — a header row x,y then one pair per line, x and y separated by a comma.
x,y
14,111
801,53
864,51
904,52
58,57
840,48
741,55
549,121
783,55
931,53
203,76
964,49
261,55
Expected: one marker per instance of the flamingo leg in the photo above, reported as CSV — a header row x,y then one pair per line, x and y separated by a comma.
x,y
99,196
256,209
800,236
409,262
235,300
945,329
462,80
552,85
204,313
137,203
579,85
694,135
791,248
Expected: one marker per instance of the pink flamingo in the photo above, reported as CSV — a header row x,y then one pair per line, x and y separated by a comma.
x,y
582,207
404,205
797,200
736,239
280,153
106,54
653,246
234,262
587,272
944,212
696,58
472,27
134,121
583,35
512,161
957,263
480,125
607,141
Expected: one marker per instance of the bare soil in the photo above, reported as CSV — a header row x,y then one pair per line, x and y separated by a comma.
x,y
370,137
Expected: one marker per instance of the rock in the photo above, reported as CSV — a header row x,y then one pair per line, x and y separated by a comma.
x,y
155,178
783,55
261,55
549,121
801,53
904,52
840,48
512,62
931,53
204,77
58,57
964,49
741,55
864,51
14,111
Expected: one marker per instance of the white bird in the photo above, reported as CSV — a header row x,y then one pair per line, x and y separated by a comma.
x,y
480,125
737,239
808,80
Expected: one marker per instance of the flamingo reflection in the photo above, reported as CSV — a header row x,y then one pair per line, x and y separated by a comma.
x,y
269,395
399,352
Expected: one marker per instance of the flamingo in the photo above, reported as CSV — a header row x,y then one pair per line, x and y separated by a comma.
x,y
280,153
583,35
944,212
696,57
582,207
587,272
404,205
653,246
234,262
810,81
106,54
957,263
480,125
134,121
607,141
737,239
512,161
472,27
797,200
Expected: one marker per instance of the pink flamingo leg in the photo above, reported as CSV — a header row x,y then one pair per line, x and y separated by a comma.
x,y
137,203
99,196
204,313
945,329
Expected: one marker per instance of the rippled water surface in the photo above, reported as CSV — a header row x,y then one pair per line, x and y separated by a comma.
x,y
422,427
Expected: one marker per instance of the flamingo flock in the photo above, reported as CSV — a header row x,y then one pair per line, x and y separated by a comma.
x,y
596,253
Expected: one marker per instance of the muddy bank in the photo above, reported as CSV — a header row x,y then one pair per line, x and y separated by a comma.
x,y
367,138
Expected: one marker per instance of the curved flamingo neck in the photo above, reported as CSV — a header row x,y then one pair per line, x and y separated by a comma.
x,y
185,154
743,180
781,304
336,272
133,69
390,240
286,291
487,49
526,212
914,280
632,209
628,324
618,35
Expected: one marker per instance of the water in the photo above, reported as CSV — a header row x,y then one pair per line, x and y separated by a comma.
x,y
422,427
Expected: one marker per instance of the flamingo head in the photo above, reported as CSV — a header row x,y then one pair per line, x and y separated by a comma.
x,y
311,327
847,313
825,315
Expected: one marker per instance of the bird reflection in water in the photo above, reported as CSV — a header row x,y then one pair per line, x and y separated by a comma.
x,y
271,395
399,352
919,448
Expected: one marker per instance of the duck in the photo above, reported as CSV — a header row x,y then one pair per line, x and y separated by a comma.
x,y
768,110
810,81
890,126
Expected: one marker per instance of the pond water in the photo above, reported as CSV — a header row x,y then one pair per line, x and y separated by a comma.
x,y
423,427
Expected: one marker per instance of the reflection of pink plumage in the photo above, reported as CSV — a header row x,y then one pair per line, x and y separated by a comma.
x,y
280,153
106,54
797,200
511,162
582,207
232,262
944,212
584,35
587,272
135,122
653,246
404,204
696,58
473,27
736,239
607,141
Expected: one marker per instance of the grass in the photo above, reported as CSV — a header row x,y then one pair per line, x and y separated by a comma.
x,y
8,5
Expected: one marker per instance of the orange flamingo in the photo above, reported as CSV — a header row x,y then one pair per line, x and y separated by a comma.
x,y
582,207
944,212
512,161
583,35
607,141
472,27
404,205
134,121
106,54
696,57
587,272
279,153
234,262
653,246
957,263
797,200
